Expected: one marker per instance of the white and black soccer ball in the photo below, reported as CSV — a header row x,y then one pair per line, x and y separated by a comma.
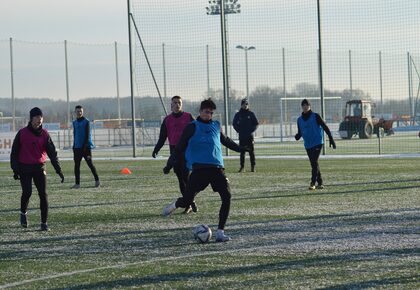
x,y
202,233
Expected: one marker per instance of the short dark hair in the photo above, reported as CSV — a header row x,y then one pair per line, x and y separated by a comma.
x,y
305,102
207,104
176,97
78,107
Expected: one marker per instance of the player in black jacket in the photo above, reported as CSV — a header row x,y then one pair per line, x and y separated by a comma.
x,y
30,149
245,123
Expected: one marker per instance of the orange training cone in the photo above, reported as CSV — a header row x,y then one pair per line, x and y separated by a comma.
x,y
125,170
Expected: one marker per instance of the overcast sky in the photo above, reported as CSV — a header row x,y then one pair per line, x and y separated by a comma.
x,y
56,20
364,26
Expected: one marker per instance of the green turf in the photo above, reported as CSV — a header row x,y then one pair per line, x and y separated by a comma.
x,y
361,231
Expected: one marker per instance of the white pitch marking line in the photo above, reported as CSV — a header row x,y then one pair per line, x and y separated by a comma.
x,y
67,274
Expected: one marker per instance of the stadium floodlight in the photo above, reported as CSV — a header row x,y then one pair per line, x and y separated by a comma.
x,y
222,8
246,48
231,7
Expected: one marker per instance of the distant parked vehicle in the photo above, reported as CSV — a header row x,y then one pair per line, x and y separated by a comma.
x,y
359,121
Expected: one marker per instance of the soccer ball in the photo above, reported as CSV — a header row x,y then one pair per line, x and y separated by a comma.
x,y
202,233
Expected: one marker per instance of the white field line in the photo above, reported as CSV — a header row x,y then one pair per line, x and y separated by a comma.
x,y
125,265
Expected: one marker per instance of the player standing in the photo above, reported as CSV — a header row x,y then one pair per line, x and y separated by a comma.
x,y
171,129
311,127
245,123
29,153
82,146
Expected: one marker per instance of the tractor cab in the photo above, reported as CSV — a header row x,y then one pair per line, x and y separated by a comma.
x,y
359,109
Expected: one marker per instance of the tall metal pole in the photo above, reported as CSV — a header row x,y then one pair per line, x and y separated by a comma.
x,y
12,87
380,83
133,112
351,76
208,70
409,85
118,85
284,93
164,70
246,73
225,66
321,80
68,120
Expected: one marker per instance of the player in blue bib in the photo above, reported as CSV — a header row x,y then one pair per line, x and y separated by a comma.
x,y
311,127
82,146
201,143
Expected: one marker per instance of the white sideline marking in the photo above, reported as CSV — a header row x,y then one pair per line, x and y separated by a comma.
x,y
67,274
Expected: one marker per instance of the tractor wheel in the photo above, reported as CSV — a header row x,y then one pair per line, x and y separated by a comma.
x,y
345,132
365,130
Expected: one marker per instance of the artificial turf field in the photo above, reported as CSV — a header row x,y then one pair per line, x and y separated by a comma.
x,y
361,232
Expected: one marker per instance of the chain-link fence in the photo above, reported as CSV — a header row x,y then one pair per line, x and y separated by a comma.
x,y
369,53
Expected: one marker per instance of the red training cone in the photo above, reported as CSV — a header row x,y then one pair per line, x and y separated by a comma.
x,y
125,170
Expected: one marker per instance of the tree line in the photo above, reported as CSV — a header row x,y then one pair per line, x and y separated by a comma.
x,y
264,101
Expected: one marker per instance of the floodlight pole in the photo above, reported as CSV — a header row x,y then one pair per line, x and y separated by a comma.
x,y
208,71
246,48
217,7
225,66
133,113
321,81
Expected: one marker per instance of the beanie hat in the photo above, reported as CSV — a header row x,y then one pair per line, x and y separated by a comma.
x,y
244,101
35,112
305,102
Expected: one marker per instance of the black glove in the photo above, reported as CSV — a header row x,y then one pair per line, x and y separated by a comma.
x,y
61,176
16,175
332,144
154,153
166,169
297,137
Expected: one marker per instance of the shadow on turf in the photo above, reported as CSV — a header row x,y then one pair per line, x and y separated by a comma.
x,y
323,261
359,225
325,191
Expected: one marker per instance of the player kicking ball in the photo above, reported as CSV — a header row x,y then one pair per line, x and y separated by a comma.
x,y
201,142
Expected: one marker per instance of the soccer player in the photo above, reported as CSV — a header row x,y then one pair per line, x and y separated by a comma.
x,y
29,153
311,127
201,142
82,145
171,129
245,123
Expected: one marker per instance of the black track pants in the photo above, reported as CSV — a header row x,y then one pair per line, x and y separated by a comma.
x,y
78,154
313,154
199,179
40,181
248,142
